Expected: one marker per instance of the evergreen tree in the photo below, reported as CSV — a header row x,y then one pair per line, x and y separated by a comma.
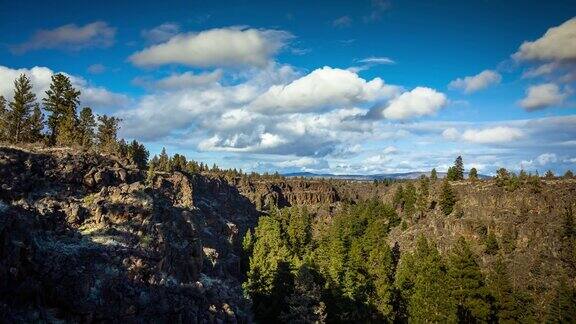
x,y
458,169
491,244
447,198
398,200
305,304
423,193
67,130
3,119
433,175
268,279
138,154
509,306
107,134
467,282
421,280
562,309
164,161
473,175
20,110
502,177
86,126
549,174
568,174
36,124
61,101
451,174
409,199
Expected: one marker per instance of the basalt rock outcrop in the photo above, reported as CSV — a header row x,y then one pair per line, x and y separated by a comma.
x,y
528,224
84,239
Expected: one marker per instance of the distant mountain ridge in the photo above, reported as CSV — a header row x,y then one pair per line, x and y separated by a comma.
x,y
371,177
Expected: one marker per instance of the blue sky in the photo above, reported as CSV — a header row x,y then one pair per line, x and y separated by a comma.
x,y
325,86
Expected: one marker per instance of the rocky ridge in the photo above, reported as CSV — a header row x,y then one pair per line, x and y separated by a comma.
x,y
83,239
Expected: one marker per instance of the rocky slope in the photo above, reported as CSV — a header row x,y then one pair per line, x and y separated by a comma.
x,y
528,224
83,239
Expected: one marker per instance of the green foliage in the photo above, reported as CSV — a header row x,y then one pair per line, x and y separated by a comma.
x,y
491,244
107,134
562,309
549,174
421,279
67,130
434,175
305,304
467,285
422,197
86,126
3,119
568,174
60,101
509,306
447,198
268,278
138,154
456,172
21,122
473,174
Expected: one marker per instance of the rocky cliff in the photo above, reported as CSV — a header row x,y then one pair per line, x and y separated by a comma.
x,y
528,224
83,239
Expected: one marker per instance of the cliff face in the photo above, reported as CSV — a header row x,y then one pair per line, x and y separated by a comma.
x,y
83,239
528,224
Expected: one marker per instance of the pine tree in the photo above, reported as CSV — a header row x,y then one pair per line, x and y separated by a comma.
x,y
107,134
60,101
20,110
138,154
491,245
473,175
568,174
421,280
67,131
549,174
467,282
447,198
458,169
562,309
423,193
3,119
268,279
433,175
36,124
305,305
164,161
509,306
409,199
86,126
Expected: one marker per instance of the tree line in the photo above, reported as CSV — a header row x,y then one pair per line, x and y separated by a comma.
x,y
22,120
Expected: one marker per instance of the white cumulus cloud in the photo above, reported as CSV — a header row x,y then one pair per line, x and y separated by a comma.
x,y
322,88
494,135
217,47
476,82
543,96
420,101
557,44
